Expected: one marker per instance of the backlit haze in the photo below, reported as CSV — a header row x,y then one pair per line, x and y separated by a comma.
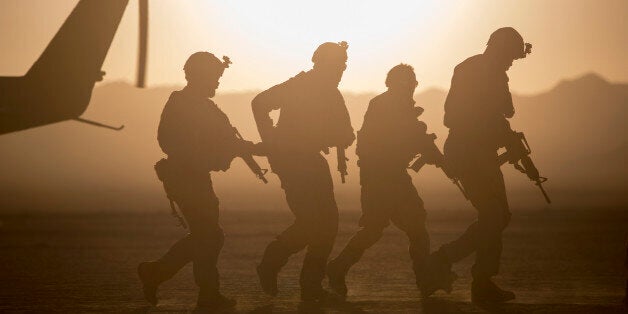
x,y
570,95
270,41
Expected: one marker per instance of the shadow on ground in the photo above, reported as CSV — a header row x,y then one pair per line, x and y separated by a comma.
x,y
429,306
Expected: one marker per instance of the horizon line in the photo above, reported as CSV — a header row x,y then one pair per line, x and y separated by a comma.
x,y
420,90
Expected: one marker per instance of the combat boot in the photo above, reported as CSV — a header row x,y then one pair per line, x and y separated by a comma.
x,y
434,275
484,291
268,279
336,272
275,257
151,276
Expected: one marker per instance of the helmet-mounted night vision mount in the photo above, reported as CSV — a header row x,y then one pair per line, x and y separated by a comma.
x,y
527,50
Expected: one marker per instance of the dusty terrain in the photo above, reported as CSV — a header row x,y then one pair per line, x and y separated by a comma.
x,y
557,261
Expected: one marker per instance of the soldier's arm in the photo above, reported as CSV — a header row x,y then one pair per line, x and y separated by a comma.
x,y
175,133
506,98
368,117
347,136
453,116
424,143
265,102
369,123
509,110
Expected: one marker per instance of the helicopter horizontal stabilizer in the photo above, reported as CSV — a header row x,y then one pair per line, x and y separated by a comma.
x,y
98,124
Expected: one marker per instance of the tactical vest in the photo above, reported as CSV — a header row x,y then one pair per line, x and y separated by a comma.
x,y
478,100
313,116
194,132
391,136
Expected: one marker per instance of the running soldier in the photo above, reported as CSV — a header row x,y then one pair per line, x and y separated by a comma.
x,y
313,118
391,136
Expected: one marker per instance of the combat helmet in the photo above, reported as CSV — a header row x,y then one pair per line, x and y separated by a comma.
x,y
509,41
203,62
330,51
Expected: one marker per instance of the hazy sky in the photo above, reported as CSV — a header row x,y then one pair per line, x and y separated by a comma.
x,y
270,41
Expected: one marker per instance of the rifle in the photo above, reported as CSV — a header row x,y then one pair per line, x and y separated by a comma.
x,y
518,154
342,163
253,165
432,150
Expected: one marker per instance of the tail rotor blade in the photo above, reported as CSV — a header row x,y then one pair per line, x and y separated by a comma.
x,y
143,44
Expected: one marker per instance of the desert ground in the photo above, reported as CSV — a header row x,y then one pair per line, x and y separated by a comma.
x,y
556,260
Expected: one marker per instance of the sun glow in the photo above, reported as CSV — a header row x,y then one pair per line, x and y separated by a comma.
x,y
269,41
276,38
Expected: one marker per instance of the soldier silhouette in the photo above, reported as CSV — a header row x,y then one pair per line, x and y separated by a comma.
x,y
476,112
313,118
198,138
391,136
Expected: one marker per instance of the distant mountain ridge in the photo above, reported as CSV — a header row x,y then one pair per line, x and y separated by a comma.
x,y
577,131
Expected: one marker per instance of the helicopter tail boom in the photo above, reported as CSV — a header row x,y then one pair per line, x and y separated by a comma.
x,y
59,85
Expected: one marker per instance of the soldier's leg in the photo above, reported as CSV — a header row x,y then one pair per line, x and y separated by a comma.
x,y
208,245
320,213
363,239
461,247
185,250
375,218
153,273
489,198
201,210
321,234
338,268
376,210
480,190
493,217
289,242
179,254
410,217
